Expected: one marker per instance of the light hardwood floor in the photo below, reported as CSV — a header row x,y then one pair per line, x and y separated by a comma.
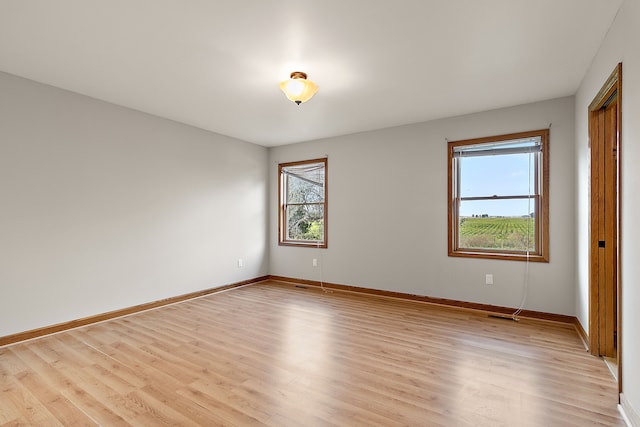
x,y
278,355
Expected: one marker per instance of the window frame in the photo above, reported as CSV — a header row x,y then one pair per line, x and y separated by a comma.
x,y
282,206
540,197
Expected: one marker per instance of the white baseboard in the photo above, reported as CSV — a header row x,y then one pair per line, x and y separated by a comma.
x,y
631,417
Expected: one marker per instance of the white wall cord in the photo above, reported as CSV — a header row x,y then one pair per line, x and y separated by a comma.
x,y
321,266
525,290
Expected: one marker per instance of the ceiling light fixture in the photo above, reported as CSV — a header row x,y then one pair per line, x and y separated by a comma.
x,y
298,89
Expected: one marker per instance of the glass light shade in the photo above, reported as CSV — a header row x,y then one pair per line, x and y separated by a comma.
x,y
298,89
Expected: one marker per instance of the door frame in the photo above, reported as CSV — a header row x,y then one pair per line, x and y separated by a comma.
x,y
611,88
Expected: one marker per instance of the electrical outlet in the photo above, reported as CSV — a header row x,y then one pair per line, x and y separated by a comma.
x,y
240,263
314,262
488,279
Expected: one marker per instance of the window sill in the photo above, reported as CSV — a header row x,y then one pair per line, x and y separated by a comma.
x,y
317,245
499,255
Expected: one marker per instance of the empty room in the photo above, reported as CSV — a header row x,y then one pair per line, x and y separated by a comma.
x,y
322,213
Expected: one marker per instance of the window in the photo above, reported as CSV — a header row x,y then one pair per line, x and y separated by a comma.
x,y
302,216
498,197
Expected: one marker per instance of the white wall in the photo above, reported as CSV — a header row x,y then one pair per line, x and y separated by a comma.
x,y
387,219
620,45
104,207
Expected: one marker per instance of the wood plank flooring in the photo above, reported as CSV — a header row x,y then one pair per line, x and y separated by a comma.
x,y
275,354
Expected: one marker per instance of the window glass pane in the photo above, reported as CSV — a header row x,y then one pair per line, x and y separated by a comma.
x,y
305,222
305,183
301,190
500,175
302,213
497,224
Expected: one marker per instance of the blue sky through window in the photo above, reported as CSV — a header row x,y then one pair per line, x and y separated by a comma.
x,y
500,175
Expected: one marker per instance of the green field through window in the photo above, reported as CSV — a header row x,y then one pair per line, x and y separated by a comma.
x,y
510,233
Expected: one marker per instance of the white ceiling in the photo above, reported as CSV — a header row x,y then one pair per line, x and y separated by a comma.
x,y
216,64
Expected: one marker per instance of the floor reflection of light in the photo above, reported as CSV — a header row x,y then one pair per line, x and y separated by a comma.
x,y
305,336
495,389
304,345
